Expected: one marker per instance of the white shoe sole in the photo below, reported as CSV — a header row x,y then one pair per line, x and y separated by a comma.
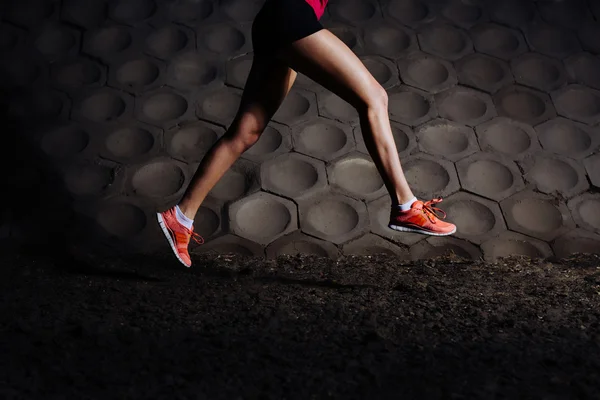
x,y
414,230
163,226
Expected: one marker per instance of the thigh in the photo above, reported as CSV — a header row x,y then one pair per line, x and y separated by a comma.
x,y
268,83
327,60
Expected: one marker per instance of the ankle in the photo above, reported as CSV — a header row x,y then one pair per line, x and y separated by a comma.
x,y
187,211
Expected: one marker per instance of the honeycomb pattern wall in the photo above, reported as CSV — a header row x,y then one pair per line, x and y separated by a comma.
x,y
494,105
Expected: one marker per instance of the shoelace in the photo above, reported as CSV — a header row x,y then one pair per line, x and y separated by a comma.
x,y
432,212
197,238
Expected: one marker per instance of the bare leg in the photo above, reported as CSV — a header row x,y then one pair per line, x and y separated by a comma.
x,y
268,83
328,61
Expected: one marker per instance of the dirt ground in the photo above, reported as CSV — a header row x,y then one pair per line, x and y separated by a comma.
x,y
298,328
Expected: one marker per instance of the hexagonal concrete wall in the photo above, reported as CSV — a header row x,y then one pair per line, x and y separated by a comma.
x,y
493,105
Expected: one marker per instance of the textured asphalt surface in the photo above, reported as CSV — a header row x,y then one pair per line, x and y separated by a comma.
x,y
298,328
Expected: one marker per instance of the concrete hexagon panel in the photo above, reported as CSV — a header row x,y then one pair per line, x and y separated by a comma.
x,y
356,175
490,175
102,105
136,74
508,138
592,165
509,244
293,175
110,41
335,108
230,244
298,106
483,72
447,139
383,70
333,217
524,104
238,69
585,210
242,179
555,174
379,217
578,102
370,245
389,39
263,217
410,106
164,108
355,12
77,73
476,219
584,68
158,179
551,40
191,71
567,14
276,139
55,41
219,105
430,177
427,72
299,243
537,215
413,13
497,41
568,138
130,142
446,246
224,38
168,40
576,241
91,179
189,142
514,13
323,139
445,41
465,106
539,72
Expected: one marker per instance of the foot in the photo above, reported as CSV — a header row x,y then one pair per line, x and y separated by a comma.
x,y
422,218
178,235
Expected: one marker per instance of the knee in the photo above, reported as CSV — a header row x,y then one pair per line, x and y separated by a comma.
x,y
245,132
377,99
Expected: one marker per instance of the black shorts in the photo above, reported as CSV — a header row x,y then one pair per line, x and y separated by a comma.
x,y
281,22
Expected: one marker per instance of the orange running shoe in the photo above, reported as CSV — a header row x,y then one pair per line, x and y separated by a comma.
x,y
421,218
178,235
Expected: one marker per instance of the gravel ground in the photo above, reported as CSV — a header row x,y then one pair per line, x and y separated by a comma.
x,y
298,327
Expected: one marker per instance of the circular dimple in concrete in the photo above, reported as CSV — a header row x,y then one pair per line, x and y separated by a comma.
x,y
579,102
164,107
121,219
408,105
508,138
401,139
129,142
587,70
54,41
549,39
293,176
222,104
206,222
489,177
537,215
263,217
88,179
554,174
357,176
332,217
77,74
471,217
462,13
589,210
511,247
230,187
136,73
381,72
445,40
190,10
426,175
428,72
523,105
241,70
166,41
356,10
387,40
588,35
133,10
269,141
241,10
345,35
464,106
339,108
564,138
443,139
409,11
102,106
295,105
483,70
496,40
158,179
193,70
109,40
513,12
323,139
538,71
192,141
65,142
224,39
